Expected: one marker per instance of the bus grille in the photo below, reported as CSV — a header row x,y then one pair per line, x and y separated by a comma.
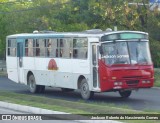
x,y
132,77
132,82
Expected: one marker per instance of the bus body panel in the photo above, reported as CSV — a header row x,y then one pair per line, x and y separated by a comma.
x,y
66,76
69,71
29,63
12,68
130,77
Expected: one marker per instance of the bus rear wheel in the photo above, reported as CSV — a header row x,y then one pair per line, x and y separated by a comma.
x,y
85,92
125,94
33,88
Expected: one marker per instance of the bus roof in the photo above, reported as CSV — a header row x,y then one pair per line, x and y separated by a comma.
x,y
87,33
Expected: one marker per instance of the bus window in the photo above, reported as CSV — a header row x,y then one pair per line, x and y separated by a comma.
x,y
41,47
29,47
64,48
11,47
116,53
48,47
26,47
94,55
51,45
80,48
139,52
37,49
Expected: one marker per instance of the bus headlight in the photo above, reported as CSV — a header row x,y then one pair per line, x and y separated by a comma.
x,y
117,83
145,81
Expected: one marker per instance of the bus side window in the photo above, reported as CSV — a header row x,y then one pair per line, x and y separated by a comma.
x,y
67,48
48,47
61,47
75,53
57,49
80,48
26,47
29,49
53,47
9,47
12,47
42,47
37,49
64,48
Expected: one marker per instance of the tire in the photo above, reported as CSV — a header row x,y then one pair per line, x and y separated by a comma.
x,y
85,92
125,94
33,88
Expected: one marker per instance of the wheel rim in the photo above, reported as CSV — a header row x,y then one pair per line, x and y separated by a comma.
x,y
32,83
85,89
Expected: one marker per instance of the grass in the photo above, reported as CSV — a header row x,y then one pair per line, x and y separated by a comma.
x,y
60,105
80,107
157,77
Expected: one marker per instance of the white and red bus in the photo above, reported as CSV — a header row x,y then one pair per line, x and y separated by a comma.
x,y
91,61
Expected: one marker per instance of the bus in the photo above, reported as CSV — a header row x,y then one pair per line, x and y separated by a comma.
x,y
89,61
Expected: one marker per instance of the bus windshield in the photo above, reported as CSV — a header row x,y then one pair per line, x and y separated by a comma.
x,y
129,52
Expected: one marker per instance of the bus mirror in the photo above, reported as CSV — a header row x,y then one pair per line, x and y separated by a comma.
x,y
100,50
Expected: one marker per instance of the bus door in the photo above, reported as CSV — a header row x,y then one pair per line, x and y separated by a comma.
x,y
95,55
20,60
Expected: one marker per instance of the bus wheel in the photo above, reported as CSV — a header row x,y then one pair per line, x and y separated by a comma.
x,y
125,94
32,84
85,92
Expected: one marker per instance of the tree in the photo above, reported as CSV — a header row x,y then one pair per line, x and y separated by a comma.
x,y
77,15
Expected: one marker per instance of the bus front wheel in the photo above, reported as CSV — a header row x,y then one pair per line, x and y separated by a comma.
x,y
85,92
33,87
125,94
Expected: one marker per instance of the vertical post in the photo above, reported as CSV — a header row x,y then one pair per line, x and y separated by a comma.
x,y
115,28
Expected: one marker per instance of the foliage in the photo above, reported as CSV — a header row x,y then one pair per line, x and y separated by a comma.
x,y
157,77
19,16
